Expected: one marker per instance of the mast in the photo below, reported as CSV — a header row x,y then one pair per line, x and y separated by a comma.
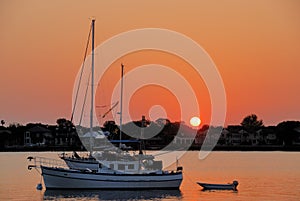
x,y
92,84
121,102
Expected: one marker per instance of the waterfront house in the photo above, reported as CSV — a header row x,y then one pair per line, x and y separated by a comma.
x,y
268,135
235,135
97,138
223,137
252,138
185,135
183,140
37,136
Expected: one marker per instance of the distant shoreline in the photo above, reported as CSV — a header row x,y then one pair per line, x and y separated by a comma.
x,y
257,148
246,148
170,136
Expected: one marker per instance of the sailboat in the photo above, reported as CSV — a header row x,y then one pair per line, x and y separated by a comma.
x,y
117,171
110,154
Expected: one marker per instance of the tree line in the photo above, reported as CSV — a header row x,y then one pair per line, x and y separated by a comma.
x,y
65,136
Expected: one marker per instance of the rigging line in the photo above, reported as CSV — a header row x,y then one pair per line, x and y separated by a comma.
x,y
189,178
84,100
104,106
115,105
82,67
101,106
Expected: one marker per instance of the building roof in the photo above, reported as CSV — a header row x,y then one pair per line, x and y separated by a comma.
x,y
39,129
94,134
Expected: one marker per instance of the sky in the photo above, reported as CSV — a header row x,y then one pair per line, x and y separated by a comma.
x,y
254,45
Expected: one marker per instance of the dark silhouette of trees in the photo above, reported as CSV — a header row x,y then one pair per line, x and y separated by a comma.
x,y
61,122
66,131
112,128
251,123
143,129
156,134
205,127
17,134
286,131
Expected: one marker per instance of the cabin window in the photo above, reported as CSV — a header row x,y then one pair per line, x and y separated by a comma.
x,y
100,165
121,167
111,166
130,166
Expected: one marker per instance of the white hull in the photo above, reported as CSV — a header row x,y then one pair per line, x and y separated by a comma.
x,y
58,178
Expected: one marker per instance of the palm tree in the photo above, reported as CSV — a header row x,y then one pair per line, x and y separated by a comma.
x,y
251,123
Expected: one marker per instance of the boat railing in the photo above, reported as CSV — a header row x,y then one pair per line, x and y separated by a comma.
x,y
178,170
37,162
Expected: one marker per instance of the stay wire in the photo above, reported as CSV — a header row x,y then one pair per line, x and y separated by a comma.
x,y
82,68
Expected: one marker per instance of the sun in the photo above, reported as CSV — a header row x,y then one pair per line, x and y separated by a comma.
x,y
195,121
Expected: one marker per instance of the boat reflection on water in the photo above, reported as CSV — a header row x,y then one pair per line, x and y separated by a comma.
x,y
112,194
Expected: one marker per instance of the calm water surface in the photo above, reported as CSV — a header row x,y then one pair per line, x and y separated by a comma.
x,y
262,176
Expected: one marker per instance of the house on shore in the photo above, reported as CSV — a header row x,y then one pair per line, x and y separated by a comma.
x,y
268,135
37,136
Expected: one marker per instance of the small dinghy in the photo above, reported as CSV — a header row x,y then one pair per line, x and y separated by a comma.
x,y
230,186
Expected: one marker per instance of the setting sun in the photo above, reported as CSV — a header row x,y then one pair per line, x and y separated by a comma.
x,y
195,121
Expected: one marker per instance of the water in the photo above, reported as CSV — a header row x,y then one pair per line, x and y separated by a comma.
x,y
261,175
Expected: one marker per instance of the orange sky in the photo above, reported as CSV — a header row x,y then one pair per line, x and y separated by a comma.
x,y
254,44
